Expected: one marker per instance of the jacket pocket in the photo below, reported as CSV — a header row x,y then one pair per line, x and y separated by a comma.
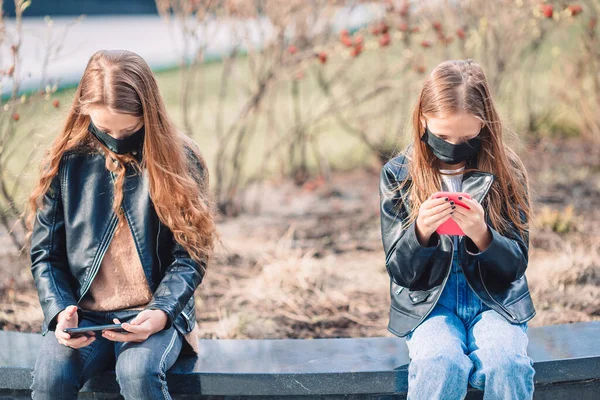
x,y
418,296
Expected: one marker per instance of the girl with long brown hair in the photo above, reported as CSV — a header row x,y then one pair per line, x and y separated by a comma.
x,y
461,300
122,228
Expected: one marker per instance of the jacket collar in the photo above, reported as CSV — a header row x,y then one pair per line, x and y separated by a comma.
x,y
477,184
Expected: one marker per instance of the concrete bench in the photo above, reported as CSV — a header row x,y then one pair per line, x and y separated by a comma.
x,y
567,364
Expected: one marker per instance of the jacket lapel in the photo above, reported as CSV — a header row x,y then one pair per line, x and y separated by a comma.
x,y
477,184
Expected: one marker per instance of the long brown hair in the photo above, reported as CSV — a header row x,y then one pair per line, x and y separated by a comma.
x,y
460,86
122,81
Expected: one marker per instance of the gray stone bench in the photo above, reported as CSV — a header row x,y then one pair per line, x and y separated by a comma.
x,y
567,364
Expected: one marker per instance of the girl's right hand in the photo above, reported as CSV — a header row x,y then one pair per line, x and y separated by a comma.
x,y
68,318
432,213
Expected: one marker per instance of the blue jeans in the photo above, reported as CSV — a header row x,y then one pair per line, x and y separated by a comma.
x,y
463,341
61,371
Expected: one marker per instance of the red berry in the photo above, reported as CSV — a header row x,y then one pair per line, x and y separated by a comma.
x,y
414,29
376,30
385,40
322,56
56,103
403,27
359,40
308,186
437,25
346,41
420,69
356,50
547,10
16,116
345,38
292,49
426,43
575,9
460,33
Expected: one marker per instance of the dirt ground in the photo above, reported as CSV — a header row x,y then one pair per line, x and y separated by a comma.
x,y
307,262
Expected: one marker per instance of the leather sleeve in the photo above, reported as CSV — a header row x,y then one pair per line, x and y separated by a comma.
x,y
181,279
406,259
507,255
49,263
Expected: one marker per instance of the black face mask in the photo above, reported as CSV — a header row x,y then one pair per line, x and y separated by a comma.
x,y
448,152
119,146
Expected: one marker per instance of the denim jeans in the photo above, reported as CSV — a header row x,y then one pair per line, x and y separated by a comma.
x,y
463,341
60,371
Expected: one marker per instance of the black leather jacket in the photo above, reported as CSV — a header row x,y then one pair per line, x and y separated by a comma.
x,y
75,225
418,274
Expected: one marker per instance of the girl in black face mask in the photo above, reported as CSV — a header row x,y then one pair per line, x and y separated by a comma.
x,y
122,226
448,152
130,142
462,302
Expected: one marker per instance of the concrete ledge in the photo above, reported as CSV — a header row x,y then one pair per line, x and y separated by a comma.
x,y
567,363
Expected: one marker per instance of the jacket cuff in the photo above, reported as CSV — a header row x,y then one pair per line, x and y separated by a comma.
x,y
169,314
52,313
488,253
413,240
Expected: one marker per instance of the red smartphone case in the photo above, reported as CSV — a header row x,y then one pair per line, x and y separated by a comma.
x,y
450,227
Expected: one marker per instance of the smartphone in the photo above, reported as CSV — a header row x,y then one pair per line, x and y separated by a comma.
x,y
95,330
450,227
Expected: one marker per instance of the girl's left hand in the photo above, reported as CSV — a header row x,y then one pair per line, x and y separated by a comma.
x,y
145,324
472,222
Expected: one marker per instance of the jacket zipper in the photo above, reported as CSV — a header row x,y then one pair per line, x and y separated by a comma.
x,y
157,254
186,317
103,248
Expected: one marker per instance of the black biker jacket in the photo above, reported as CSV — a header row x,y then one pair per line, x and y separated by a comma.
x,y
74,227
418,274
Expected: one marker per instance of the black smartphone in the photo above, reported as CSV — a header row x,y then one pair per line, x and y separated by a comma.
x,y
93,330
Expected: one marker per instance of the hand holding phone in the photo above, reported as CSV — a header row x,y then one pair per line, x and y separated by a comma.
x,y
432,213
450,227
68,318
95,330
